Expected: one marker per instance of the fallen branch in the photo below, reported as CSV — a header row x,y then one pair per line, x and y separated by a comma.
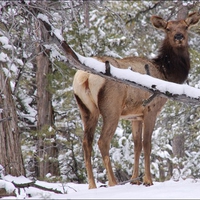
x,y
47,189
33,184
73,60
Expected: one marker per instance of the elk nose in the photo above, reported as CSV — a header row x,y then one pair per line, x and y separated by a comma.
x,y
178,36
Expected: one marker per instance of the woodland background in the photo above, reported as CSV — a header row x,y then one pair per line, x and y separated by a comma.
x,y
40,126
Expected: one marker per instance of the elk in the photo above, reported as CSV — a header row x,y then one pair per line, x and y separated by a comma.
x,y
97,96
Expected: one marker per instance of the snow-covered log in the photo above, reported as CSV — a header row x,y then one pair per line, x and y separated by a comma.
x,y
183,93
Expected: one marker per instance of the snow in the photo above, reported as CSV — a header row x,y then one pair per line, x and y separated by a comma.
x,y
5,42
3,57
14,68
57,32
91,62
183,189
18,180
6,71
9,187
43,18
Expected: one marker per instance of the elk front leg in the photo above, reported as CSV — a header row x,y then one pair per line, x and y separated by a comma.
x,y
137,138
147,180
149,123
104,148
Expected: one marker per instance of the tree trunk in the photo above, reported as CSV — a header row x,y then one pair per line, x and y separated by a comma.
x,y
178,139
86,13
47,152
178,145
10,141
182,12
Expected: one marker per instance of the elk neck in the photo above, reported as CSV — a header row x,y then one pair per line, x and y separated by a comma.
x,y
173,62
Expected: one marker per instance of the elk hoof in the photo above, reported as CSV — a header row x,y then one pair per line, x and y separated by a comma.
x,y
137,181
92,186
147,182
113,183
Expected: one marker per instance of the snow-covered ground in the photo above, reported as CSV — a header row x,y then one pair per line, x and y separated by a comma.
x,y
182,189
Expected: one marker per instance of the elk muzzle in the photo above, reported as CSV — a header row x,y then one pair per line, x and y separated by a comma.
x,y
179,37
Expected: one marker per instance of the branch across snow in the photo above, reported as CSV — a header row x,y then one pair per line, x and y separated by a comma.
x,y
142,79
147,81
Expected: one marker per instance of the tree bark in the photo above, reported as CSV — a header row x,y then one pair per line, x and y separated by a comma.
x,y
182,11
47,151
178,145
179,139
86,13
10,140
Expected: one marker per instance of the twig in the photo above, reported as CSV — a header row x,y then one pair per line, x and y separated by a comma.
x,y
107,68
6,119
147,69
147,101
71,188
131,180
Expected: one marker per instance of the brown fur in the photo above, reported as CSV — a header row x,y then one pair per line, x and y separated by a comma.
x,y
98,96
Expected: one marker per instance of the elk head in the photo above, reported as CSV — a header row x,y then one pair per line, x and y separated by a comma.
x,y
176,31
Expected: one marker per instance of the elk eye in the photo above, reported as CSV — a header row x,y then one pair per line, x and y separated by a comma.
x,y
167,29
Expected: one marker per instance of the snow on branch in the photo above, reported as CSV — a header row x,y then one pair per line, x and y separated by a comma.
x,y
55,31
183,93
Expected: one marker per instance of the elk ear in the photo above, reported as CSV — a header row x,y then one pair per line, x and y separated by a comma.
x,y
192,18
158,22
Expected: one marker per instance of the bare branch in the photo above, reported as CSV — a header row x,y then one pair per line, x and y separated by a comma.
x,y
107,68
34,184
5,119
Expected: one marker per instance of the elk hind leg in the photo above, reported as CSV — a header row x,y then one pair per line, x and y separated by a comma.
x,y
90,120
108,131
